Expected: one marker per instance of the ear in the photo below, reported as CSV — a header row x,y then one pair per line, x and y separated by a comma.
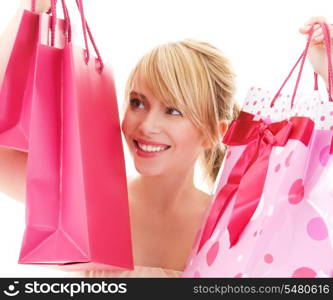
x,y
223,127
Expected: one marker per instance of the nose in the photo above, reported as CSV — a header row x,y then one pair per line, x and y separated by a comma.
x,y
151,123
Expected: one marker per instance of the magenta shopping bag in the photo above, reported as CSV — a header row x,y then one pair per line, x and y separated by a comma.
x,y
16,86
77,213
272,212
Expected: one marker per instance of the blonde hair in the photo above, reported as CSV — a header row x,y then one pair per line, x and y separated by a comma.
x,y
196,79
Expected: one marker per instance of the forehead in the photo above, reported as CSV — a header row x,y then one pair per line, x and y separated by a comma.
x,y
140,89
153,91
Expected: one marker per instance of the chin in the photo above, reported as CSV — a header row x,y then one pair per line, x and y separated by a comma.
x,y
145,171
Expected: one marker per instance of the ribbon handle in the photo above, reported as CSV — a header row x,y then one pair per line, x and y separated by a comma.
x,y
53,12
86,29
302,58
68,31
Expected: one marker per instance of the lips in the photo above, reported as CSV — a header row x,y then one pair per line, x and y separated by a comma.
x,y
150,143
148,148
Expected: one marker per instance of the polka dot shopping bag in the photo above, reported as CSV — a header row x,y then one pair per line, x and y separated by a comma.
x,y
272,210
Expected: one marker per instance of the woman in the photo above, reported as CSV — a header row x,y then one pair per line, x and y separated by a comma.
x,y
179,102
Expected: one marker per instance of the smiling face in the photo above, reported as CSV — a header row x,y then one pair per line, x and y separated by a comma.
x,y
160,139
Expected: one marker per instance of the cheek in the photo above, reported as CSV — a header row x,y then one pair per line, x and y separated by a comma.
x,y
188,140
127,124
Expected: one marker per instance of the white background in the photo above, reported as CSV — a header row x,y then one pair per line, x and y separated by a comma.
x,y
259,36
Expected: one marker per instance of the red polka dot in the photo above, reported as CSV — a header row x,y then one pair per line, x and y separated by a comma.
x,y
331,113
317,229
197,274
331,128
277,168
255,234
322,102
252,88
247,103
239,275
287,163
255,102
212,253
263,99
259,112
304,272
322,118
268,258
324,155
296,192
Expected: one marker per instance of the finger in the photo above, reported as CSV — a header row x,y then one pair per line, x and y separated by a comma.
x,y
317,32
318,39
306,29
315,20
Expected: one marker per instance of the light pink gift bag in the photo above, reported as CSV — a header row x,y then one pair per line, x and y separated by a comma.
x,y
77,212
271,215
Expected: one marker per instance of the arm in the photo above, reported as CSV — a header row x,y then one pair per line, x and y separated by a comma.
x,y
317,52
13,173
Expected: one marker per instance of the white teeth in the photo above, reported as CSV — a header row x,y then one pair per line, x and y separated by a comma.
x,y
149,148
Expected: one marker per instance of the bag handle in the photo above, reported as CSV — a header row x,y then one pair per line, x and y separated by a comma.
x,y
302,60
327,37
53,11
86,29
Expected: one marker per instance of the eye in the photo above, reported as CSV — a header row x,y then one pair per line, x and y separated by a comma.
x,y
173,111
135,102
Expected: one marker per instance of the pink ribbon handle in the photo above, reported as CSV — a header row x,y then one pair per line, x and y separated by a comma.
x,y
302,58
327,38
33,5
53,12
99,62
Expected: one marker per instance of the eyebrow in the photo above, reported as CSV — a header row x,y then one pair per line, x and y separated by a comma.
x,y
138,94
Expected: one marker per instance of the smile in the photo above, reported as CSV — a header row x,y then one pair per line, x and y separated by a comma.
x,y
148,150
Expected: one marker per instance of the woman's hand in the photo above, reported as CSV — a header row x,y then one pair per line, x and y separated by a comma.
x,y
317,52
41,5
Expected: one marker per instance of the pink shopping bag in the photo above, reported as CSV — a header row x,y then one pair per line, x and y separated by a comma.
x,y
77,213
15,91
268,217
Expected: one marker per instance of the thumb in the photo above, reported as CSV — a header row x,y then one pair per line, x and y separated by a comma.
x,y
305,29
